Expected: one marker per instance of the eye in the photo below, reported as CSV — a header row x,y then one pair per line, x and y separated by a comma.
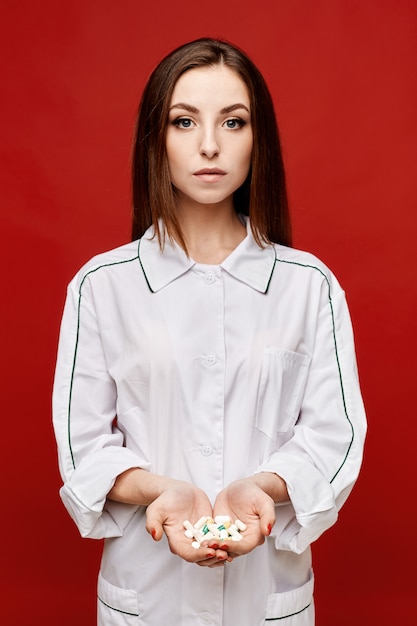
x,y
182,122
234,123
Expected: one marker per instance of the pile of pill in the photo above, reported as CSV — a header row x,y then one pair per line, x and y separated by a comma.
x,y
221,527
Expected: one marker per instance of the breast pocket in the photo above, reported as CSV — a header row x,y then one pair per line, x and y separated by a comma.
x,y
281,386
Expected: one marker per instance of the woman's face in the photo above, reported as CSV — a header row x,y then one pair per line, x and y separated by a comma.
x,y
209,136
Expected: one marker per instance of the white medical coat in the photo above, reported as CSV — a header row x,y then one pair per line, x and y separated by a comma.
x,y
206,374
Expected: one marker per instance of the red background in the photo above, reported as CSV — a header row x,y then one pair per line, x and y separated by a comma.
x,y
344,79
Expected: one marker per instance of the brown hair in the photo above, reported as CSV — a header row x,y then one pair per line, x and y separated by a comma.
x,y
262,196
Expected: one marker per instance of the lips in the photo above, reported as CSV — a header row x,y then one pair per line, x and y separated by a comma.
x,y
210,174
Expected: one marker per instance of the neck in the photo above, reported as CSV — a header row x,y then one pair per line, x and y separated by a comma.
x,y
211,233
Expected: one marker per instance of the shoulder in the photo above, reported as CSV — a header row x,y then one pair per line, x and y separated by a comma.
x,y
294,256
116,258
305,265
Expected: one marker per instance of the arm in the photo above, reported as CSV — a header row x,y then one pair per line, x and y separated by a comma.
x,y
90,448
251,500
314,471
169,502
105,482
321,462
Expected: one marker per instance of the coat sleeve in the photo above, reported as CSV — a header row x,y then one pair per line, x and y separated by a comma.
x,y
321,461
91,449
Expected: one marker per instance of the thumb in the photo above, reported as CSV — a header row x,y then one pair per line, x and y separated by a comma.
x,y
266,517
154,524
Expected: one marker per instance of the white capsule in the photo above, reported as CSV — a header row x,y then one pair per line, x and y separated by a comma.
x,y
199,536
240,525
187,525
201,522
224,534
208,536
189,534
220,519
233,531
195,545
237,537
213,529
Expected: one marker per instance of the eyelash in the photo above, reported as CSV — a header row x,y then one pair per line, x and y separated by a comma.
x,y
179,120
240,123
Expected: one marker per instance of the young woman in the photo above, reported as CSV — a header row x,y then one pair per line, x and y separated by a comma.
x,y
207,368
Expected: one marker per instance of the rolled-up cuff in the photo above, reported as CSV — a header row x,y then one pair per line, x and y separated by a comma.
x,y
85,493
312,499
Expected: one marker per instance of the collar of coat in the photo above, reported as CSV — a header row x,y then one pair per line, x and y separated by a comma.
x,y
248,263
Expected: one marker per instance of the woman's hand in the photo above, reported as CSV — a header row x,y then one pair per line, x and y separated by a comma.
x,y
252,500
170,502
182,501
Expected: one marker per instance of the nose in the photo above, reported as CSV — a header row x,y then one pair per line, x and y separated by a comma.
x,y
209,145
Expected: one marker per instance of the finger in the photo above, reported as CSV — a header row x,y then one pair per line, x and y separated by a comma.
x,y
266,524
215,555
211,565
267,519
222,563
208,558
219,564
218,560
154,526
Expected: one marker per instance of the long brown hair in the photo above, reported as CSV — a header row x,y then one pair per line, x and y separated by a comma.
x,y
262,196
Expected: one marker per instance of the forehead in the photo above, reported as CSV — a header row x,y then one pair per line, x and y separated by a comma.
x,y
217,85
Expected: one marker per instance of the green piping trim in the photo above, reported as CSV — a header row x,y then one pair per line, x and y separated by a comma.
x,y
273,619
118,610
336,354
270,277
143,269
92,271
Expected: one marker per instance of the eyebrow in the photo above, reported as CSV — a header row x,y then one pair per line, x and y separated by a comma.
x,y
192,109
